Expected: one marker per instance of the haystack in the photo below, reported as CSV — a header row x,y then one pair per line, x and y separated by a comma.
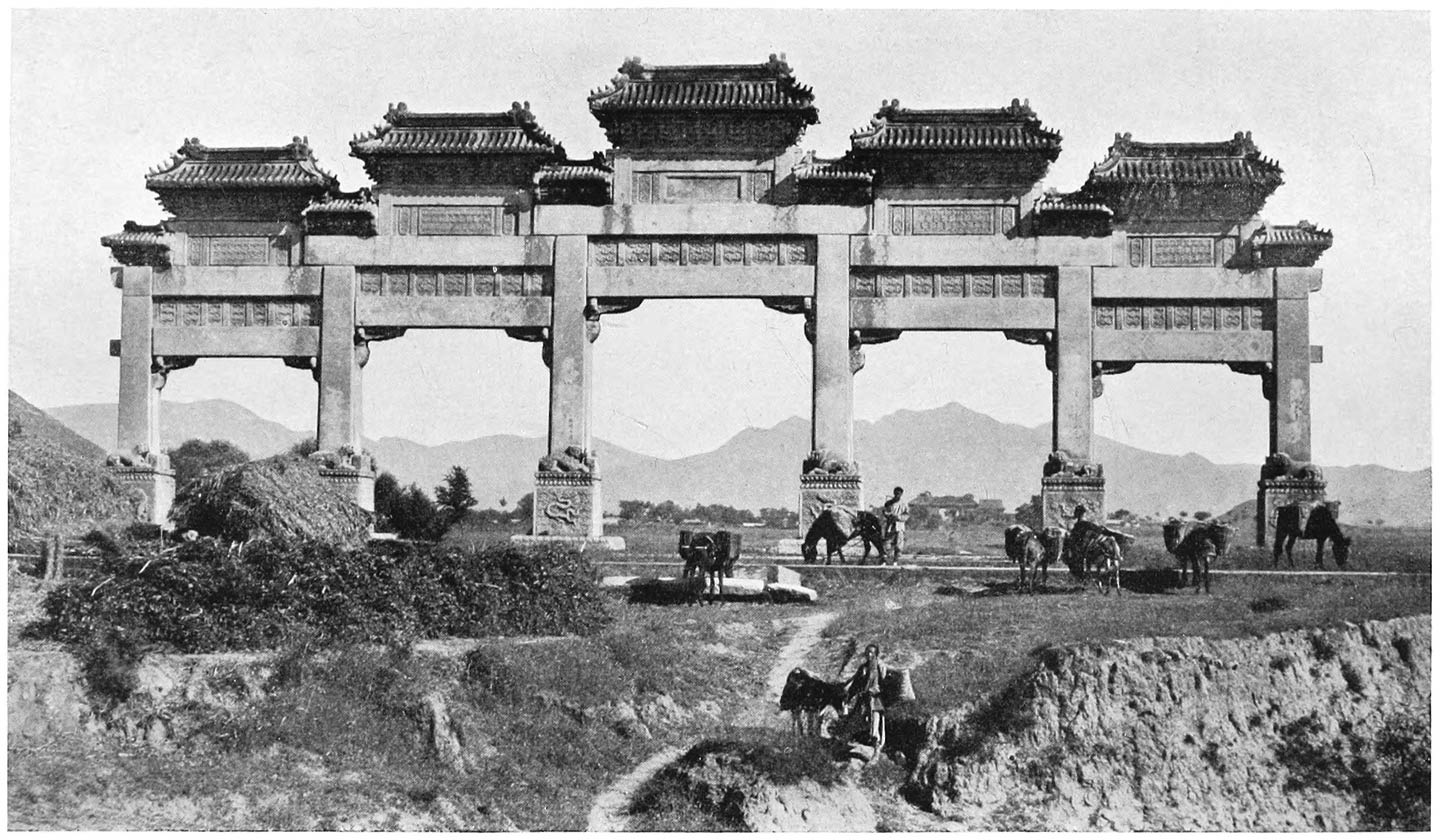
x,y
58,481
283,497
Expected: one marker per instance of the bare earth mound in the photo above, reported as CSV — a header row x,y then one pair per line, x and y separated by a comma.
x,y
283,497
58,480
1299,730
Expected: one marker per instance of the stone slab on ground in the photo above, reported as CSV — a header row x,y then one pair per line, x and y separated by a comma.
x,y
792,592
785,575
582,543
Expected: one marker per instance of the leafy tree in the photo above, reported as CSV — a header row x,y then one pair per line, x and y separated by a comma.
x,y
634,510
1122,514
1202,515
305,447
454,495
525,508
387,495
415,516
195,457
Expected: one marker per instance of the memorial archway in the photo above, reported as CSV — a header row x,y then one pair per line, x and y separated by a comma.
x,y
933,220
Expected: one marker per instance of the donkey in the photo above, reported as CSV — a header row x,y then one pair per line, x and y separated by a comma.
x,y
1197,546
1033,552
832,526
1094,552
806,696
1312,521
711,555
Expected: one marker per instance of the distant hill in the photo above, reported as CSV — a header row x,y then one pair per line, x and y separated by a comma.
x,y
57,479
950,449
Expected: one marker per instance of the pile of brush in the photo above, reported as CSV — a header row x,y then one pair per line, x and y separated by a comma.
x,y
283,497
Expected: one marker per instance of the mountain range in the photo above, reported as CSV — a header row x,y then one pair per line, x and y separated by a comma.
x,y
946,450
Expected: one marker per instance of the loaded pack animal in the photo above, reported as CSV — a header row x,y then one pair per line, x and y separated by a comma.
x,y
1033,552
806,696
1311,521
709,559
837,526
1197,545
1093,553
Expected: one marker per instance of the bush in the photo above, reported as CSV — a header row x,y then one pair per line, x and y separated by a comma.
x,y
203,596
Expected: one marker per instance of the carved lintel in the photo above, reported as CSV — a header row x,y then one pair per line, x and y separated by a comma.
x,y
165,364
788,305
1266,372
528,333
1099,371
873,336
595,307
365,334
1028,336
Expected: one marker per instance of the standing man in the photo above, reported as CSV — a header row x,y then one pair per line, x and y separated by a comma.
x,y
866,686
895,513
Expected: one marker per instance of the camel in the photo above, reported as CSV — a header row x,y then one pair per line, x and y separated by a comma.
x,y
1094,552
708,554
1197,546
1033,552
1310,521
832,526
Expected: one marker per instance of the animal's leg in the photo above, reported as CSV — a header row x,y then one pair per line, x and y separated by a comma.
x,y
1320,553
1290,549
1207,573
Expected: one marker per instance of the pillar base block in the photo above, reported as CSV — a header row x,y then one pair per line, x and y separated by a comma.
x,y
355,485
821,490
158,487
578,543
567,504
1059,494
1275,493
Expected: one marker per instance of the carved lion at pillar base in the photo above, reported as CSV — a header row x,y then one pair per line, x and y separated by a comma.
x,y
1062,463
140,456
345,458
825,462
573,459
1281,465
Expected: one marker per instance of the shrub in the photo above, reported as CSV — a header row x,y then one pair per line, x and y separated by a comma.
x,y
203,596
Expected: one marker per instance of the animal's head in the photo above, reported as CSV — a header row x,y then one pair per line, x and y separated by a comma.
x,y
1342,549
807,552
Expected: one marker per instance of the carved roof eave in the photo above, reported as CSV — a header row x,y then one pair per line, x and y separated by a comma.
x,y
1290,245
195,166
140,245
897,131
513,133
639,88
357,202
1226,164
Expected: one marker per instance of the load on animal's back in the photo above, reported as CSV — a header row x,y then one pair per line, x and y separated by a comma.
x,y
1318,521
1033,552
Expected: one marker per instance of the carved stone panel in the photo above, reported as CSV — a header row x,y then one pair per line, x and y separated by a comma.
x,y
1175,251
567,505
1275,493
924,283
818,492
1198,316
236,312
481,281
1059,495
237,250
457,221
702,251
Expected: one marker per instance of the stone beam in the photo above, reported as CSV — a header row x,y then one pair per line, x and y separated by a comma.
x,y
430,250
993,251
456,312
1171,283
237,342
952,313
702,281
138,425
833,383
1181,346
701,219
338,421
238,281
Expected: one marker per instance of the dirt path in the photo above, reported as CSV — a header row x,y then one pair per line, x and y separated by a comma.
x,y
608,812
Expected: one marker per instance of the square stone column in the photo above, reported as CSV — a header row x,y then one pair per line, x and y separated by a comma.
x,y
1288,476
567,485
340,376
138,461
829,475
1070,476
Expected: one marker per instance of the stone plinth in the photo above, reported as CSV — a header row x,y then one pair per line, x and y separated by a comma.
x,y
1059,494
821,490
355,485
1275,493
577,543
567,504
157,484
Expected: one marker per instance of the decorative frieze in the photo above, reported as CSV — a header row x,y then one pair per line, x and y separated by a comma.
x,y
238,250
700,187
452,220
722,251
1181,251
945,282
237,312
951,219
1201,316
492,281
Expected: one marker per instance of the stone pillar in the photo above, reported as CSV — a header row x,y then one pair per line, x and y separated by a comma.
x,y
1288,475
138,461
1070,477
567,484
339,371
829,475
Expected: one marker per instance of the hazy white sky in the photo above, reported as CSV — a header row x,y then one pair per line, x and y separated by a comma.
x,y
1342,100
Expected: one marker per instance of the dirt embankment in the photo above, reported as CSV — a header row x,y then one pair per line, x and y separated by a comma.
x,y
1295,730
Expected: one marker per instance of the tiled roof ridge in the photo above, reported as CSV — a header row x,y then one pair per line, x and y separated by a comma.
x,y
768,86
1076,202
1302,232
1011,128
399,116
565,170
245,163
337,201
1159,155
836,169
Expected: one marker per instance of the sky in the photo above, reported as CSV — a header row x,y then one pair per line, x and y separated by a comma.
x,y
1341,99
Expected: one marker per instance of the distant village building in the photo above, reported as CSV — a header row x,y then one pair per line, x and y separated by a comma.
x,y
957,509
